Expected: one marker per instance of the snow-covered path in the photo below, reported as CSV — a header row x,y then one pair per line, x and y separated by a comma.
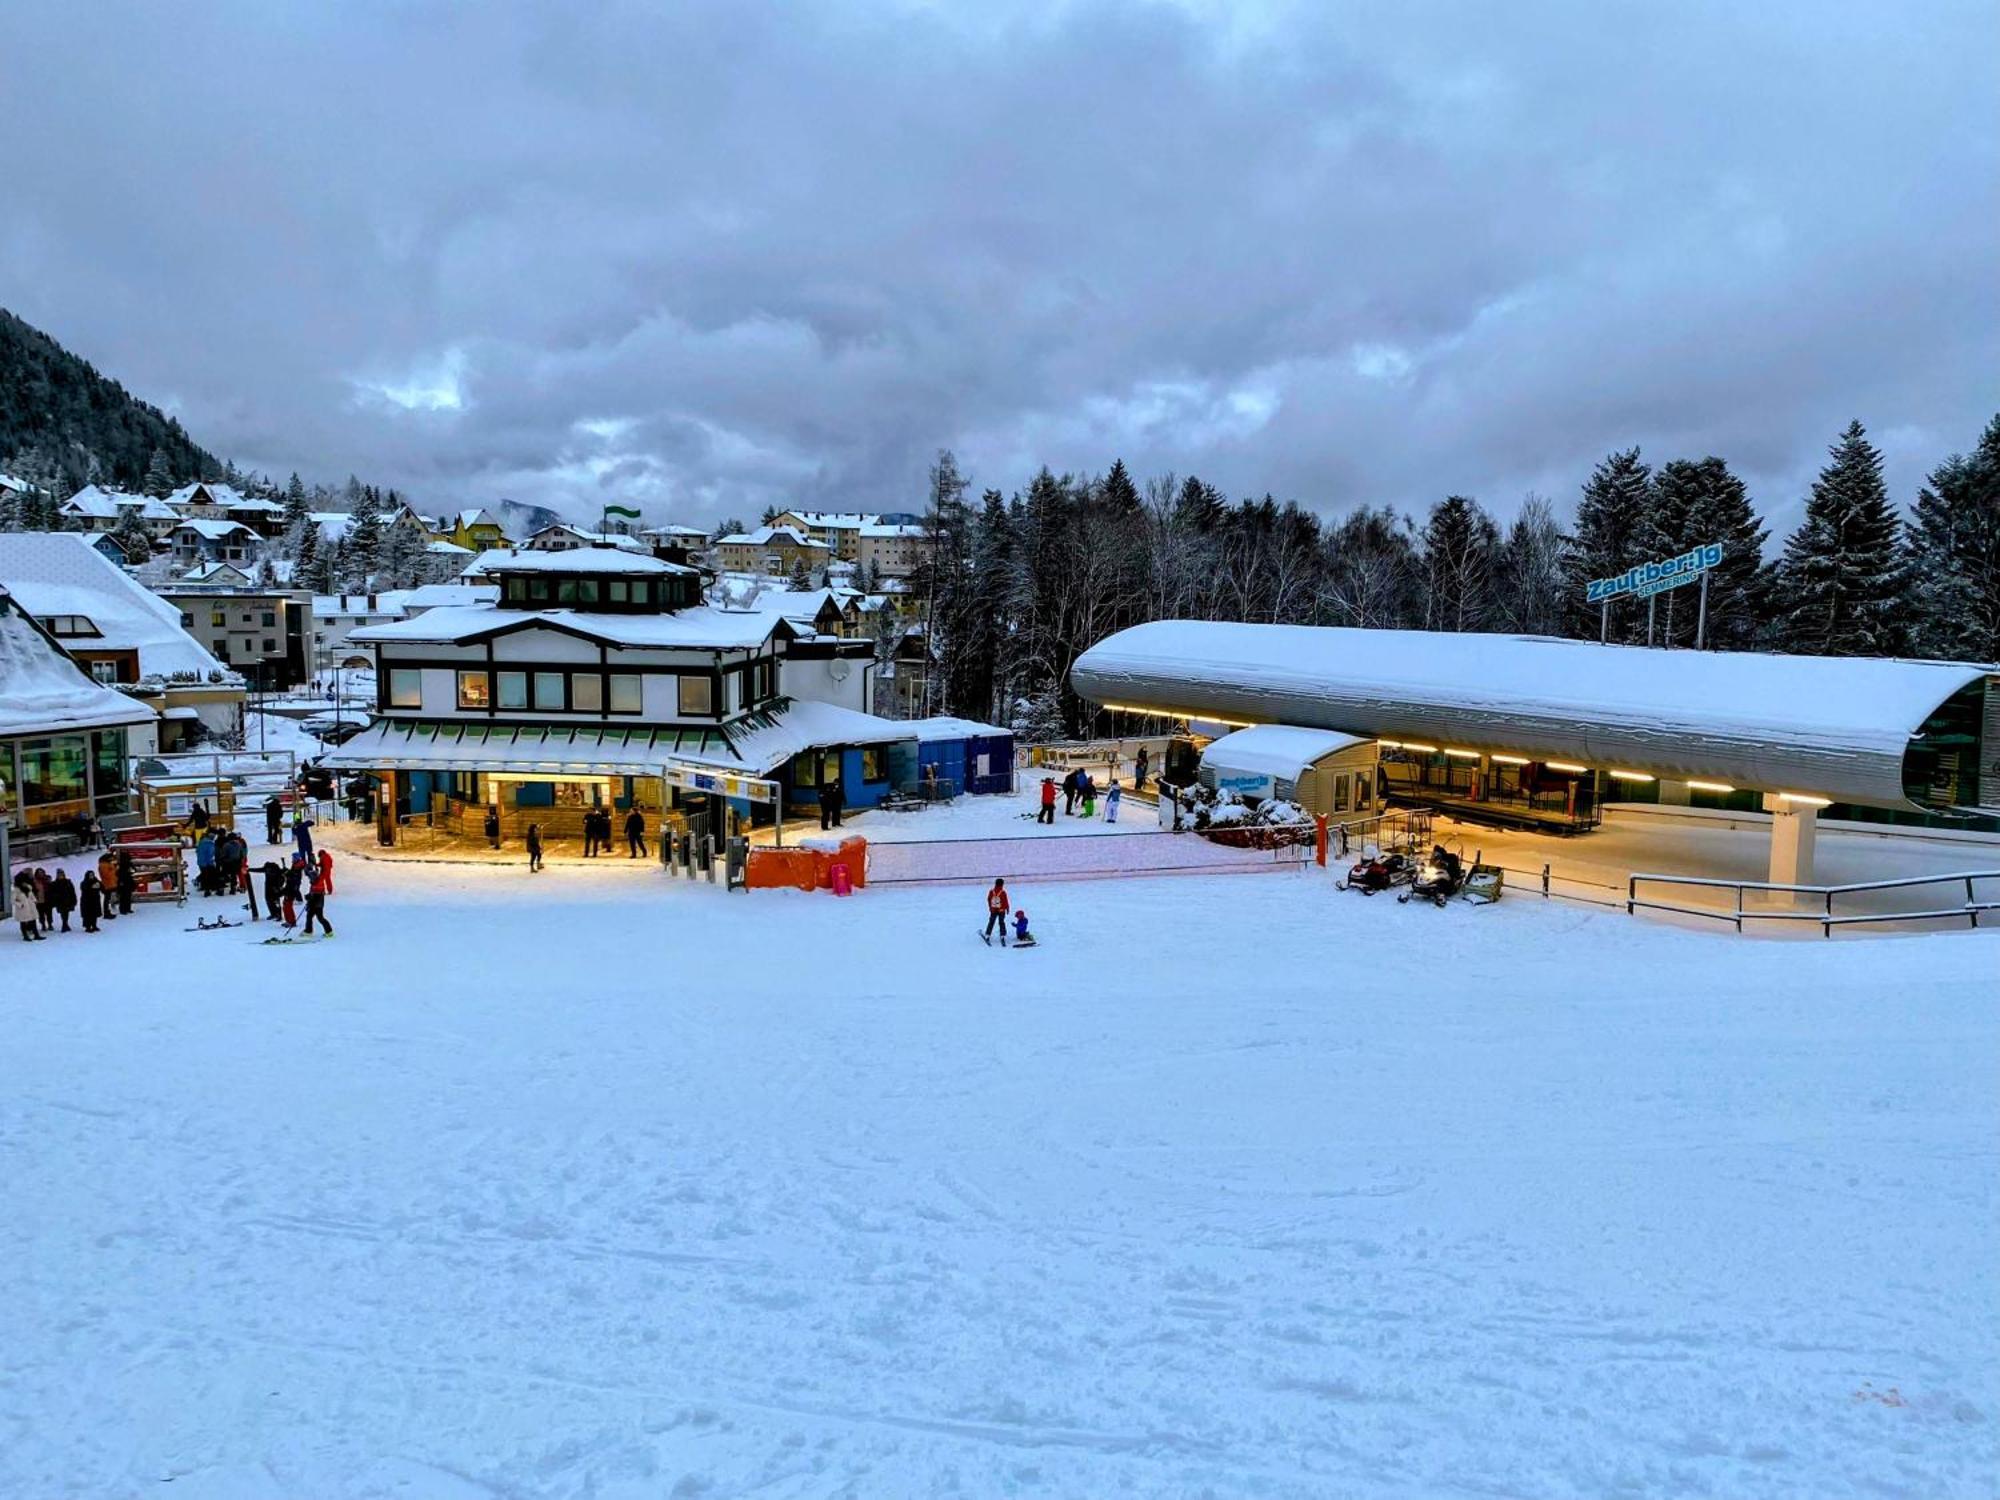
x,y
601,1185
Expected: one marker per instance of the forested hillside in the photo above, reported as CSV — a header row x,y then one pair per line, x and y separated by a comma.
x,y
63,425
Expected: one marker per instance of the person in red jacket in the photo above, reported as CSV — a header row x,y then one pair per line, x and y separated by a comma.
x,y
997,907
1048,812
326,870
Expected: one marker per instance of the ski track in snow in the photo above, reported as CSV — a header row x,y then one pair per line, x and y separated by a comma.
x,y
606,1185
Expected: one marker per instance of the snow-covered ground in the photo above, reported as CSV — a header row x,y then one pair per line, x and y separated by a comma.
x,y
595,1183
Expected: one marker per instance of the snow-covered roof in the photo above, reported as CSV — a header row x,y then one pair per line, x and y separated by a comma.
x,y
883,531
596,538
753,745
770,536
215,531
587,560
476,515
835,520
674,531
701,627
801,605
1832,726
214,572
225,495
949,727
447,595
1277,750
61,573
44,691
100,504
448,549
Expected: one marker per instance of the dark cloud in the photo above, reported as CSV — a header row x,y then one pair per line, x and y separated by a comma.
x,y
709,256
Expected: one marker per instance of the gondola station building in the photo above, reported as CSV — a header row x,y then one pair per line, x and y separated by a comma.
x,y
601,678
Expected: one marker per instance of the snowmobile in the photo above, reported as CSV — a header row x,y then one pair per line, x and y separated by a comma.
x,y
1438,878
1376,871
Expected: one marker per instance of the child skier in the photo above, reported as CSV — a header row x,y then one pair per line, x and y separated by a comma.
x,y
996,913
1022,937
1111,802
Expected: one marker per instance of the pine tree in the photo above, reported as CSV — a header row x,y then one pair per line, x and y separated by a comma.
x,y
801,578
1119,494
297,507
159,475
132,536
303,544
1698,501
361,552
1841,578
1954,556
1611,521
1461,545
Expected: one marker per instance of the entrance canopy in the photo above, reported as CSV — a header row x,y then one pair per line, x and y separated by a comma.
x,y
753,745
1858,730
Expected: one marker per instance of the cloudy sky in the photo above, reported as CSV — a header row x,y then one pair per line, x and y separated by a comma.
x,y
708,256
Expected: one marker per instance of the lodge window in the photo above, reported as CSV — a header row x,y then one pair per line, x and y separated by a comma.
x,y
763,680
620,591
586,591
475,690
513,689
586,693
871,763
538,590
270,618
406,687
566,591
696,696
218,619
549,694
269,644
104,671
627,696
517,590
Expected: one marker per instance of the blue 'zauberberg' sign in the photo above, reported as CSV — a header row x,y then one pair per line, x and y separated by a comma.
x,y
1646,579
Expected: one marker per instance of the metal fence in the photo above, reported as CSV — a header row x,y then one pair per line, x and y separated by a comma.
x,y
1082,857
1815,903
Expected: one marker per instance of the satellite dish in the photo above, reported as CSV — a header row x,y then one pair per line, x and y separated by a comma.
x,y
839,670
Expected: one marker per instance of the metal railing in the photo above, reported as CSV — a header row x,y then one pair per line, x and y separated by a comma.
x,y
1824,917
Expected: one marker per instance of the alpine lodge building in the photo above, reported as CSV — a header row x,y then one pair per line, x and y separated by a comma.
x,y
601,678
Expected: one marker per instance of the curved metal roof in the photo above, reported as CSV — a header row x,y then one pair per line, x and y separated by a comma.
x,y
1836,727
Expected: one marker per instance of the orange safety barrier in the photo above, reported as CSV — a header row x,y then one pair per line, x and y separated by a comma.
x,y
807,869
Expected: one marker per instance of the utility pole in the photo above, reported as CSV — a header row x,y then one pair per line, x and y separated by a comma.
x,y
1701,620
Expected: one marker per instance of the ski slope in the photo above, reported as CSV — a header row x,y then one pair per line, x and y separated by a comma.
x,y
596,1185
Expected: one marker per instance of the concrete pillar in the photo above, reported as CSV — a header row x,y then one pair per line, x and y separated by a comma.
x,y
1794,830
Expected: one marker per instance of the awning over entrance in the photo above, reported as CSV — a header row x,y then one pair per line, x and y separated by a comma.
x,y
752,745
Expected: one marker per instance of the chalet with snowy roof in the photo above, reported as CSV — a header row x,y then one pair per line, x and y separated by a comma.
x,y
65,737
223,502
94,508
688,538
563,537
601,677
123,635
475,529
204,541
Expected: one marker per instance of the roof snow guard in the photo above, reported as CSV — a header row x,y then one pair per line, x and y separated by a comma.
x,y
1878,733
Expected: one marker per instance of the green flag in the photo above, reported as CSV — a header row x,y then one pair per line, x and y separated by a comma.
x,y
619,510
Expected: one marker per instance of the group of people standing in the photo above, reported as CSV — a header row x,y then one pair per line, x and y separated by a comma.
x,y
1078,788
223,868
41,899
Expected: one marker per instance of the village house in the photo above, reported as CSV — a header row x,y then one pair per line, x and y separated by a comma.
x,y
123,634
563,537
838,531
202,540
265,634
888,551
772,550
94,508
223,502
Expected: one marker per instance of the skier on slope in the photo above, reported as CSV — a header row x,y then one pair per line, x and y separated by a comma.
x,y
1048,812
1111,802
997,907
